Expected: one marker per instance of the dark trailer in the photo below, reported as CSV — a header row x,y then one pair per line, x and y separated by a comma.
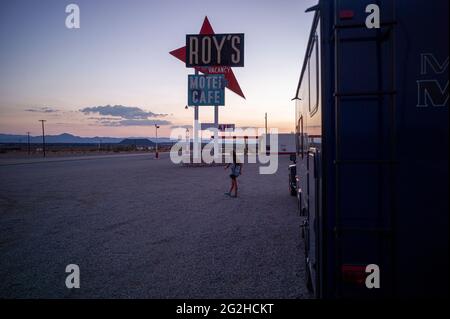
x,y
372,149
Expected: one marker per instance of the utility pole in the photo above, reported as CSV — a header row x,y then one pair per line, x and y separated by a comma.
x,y
156,154
266,123
216,133
267,147
28,134
196,148
43,136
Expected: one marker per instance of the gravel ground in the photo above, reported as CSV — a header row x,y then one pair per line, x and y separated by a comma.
x,y
144,228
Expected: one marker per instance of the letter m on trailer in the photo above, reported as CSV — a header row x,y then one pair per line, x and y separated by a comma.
x,y
431,91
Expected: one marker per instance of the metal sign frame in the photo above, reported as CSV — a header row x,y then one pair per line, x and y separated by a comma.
x,y
220,49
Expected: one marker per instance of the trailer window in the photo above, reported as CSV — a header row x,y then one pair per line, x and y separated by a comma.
x,y
313,66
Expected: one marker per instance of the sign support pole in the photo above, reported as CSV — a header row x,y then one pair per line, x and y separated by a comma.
x,y
196,128
216,134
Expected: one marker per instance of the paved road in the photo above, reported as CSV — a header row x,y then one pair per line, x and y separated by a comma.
x,y
144,228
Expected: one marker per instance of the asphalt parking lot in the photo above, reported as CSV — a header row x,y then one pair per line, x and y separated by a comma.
x,y
144,228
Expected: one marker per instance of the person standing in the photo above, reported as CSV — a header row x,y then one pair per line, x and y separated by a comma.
x,y
236,170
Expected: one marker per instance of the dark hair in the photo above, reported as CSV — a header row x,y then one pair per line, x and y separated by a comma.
x,y
235,161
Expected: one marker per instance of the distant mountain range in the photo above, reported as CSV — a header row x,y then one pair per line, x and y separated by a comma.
x,y
69,138
137,142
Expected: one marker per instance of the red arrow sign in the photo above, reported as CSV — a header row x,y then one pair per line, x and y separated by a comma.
x,y
232,83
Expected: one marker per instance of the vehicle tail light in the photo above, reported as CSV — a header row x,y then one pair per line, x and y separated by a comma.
x,y
346,14
354,274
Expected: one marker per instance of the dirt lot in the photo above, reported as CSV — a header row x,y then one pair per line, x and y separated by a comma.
x,y
144,228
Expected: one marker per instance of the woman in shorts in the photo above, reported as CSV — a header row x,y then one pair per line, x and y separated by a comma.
x,y
236,170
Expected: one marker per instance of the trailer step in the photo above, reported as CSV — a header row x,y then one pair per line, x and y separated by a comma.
x,y
375,162
360,94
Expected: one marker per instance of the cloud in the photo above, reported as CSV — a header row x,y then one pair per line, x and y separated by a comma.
x,y
105,118
124,112
146,122
44,109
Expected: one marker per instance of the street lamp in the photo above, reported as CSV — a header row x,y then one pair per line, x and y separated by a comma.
x,y
43,136
28,140
156,128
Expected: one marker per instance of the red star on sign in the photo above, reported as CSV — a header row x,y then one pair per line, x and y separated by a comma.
x,y
232,83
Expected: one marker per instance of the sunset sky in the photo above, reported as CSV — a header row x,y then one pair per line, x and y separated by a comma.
x,y
73,78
